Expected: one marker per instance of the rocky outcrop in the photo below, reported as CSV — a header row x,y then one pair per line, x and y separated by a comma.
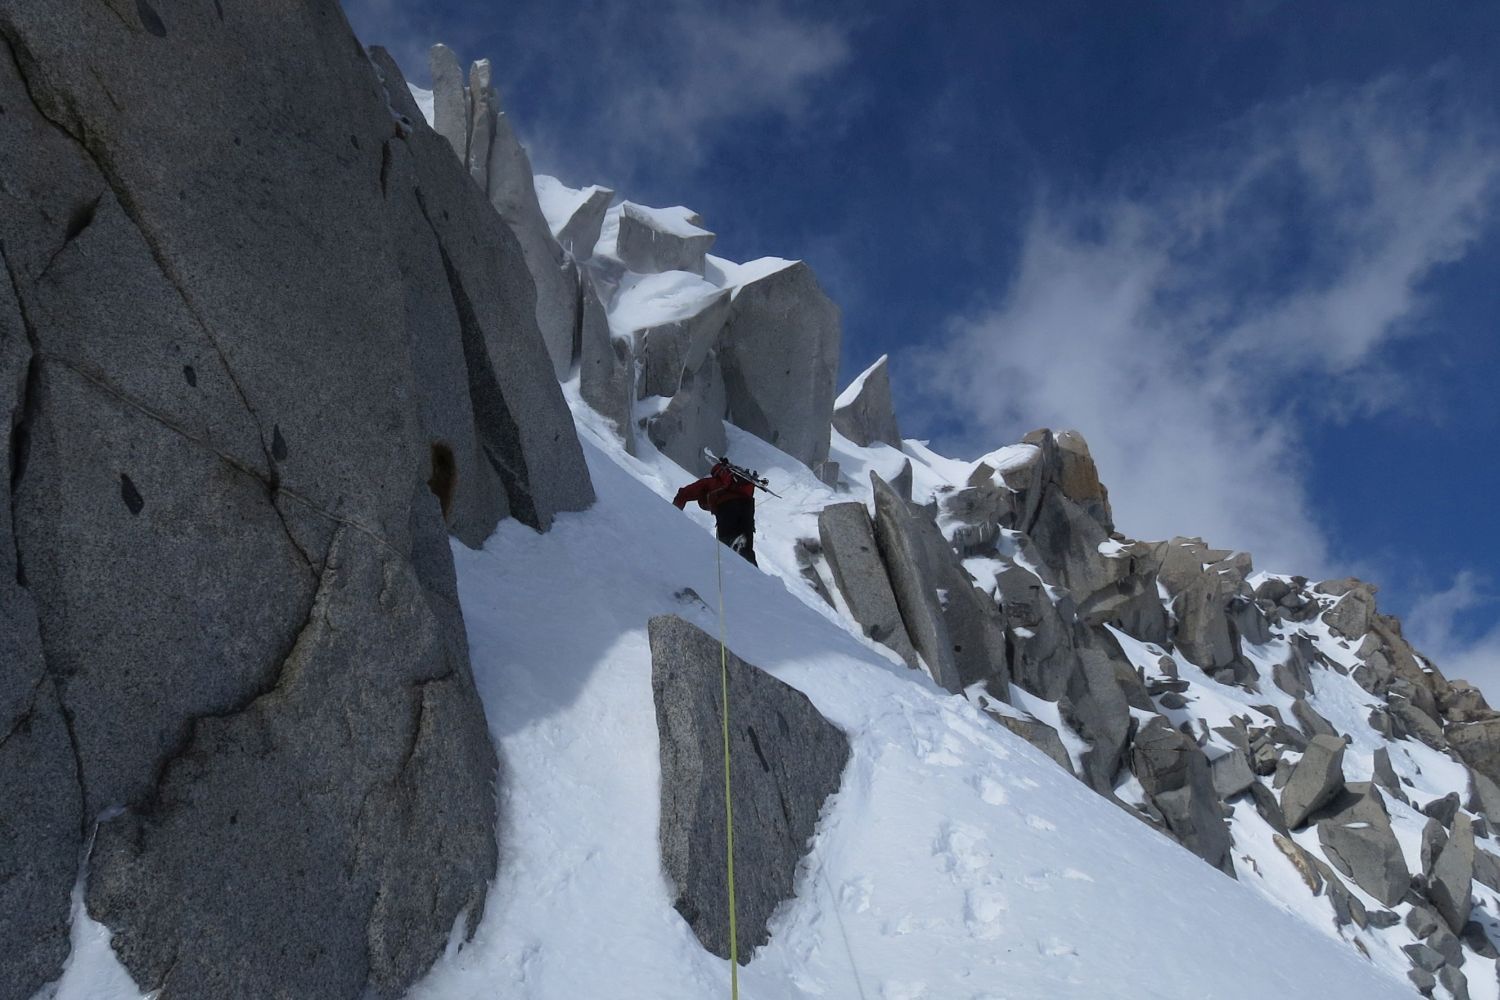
x,y
654,240
694,419
848,541
575,216
450,100
786,760
863,412
1317,778
1177,781
1452,874
669,351
480,133
606,364
953,625
1478,744
780,354
1354,830
268,362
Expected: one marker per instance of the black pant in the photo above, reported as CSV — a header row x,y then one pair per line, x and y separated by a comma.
x,y
735,524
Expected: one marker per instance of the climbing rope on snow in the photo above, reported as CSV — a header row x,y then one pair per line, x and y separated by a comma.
x,y
734,942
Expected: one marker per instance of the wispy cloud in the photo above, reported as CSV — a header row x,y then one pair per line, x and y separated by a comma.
x,y
1190,320
1435,626
636,88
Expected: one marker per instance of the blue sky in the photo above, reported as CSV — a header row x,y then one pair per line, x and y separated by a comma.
x,y
1249,249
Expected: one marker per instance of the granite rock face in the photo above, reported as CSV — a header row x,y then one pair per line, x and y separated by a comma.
x,y
907,559
606,364
848,540
780,355
1449,884
694,419
1176,777
579,234
257,359
652,241
786,760
669,351
863,413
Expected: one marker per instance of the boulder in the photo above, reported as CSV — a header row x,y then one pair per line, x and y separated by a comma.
x,y
1232,774
1487,869
786,760
669,350
1477,939
1175,775
1268,808
581,230
1478,745
1201,594
1433,839
694,420
863,412
1443,810
1042,657
1317,778
1483,797
1463,702
1355,833
606,364
781,356
1449,883
848,540
1038,734
450,100
655,240
1311,723
1385,775
1353,612
1422,921
1454,981
913,580
808,552
1093,704
1079,478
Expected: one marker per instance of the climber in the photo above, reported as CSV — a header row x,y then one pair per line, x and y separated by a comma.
x,y
730,498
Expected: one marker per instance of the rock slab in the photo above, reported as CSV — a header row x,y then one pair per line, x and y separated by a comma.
x,y
786,760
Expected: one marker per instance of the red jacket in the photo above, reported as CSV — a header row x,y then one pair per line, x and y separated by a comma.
x,y
718,486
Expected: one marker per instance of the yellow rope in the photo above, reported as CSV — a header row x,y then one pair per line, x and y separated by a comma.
x,y
734,943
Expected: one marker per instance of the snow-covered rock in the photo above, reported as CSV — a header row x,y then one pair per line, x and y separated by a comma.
x,y
654,240
863,411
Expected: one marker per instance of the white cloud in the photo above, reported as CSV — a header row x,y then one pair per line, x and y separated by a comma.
x,y
1191,319
1433,628
666,79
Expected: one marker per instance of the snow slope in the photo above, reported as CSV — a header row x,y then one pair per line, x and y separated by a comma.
x,y
955,862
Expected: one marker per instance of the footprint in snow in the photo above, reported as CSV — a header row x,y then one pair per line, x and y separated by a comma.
x,y
1038,823
990,790
895,990
854,895
1054,947
983,912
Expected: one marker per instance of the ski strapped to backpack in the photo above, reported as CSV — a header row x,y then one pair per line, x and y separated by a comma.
x,y
750,476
